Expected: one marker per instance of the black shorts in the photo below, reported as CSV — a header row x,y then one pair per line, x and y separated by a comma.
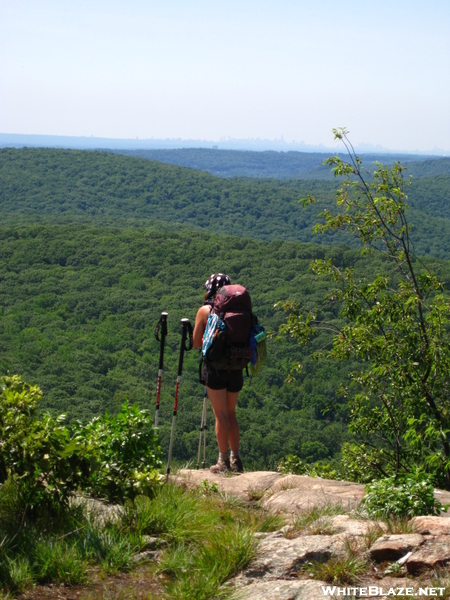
x,y
232,381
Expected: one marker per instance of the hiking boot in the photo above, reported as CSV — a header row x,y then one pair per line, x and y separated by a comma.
x,y
236,465
222,466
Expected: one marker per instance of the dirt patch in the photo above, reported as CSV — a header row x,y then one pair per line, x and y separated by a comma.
x,y
141,584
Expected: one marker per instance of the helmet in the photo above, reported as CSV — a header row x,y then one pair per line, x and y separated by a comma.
x,y
216,281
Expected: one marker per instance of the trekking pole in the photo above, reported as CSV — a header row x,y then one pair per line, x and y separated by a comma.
x,y
160,328
205,406
187,329
202,429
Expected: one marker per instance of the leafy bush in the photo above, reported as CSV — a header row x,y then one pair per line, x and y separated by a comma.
x,y
124,453
115,457
36,452
408,496
293,465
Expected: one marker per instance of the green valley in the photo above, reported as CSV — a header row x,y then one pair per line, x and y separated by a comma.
x,y
93,246
76,187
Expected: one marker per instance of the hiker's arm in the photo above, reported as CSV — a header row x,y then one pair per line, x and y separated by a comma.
x,y
199,327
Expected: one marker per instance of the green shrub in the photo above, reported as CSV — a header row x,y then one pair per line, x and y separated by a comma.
x,y
114,457
293,465
38,452
123,452
408,496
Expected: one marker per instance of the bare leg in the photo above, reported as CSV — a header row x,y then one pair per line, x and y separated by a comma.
x,y
227,429
233,433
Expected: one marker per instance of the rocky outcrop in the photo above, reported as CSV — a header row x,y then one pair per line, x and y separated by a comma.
x,y
289,494
281,558
282,590
435,552
297,493
102,512
393,547
281,493
279,570
431,525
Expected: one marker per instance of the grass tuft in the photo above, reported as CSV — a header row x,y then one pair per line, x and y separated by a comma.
x,y
173,514
338,570
199,574
341,569
395,524
20,576
441,579
315,521
255,494
112,549
210,538
268,522
58,562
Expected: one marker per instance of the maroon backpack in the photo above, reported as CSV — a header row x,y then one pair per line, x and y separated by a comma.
x,y
231,347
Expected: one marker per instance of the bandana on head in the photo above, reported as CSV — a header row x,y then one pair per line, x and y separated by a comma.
x,y
216,281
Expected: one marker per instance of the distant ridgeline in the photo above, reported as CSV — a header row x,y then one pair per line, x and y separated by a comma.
x,y
93,246
70,186
281,165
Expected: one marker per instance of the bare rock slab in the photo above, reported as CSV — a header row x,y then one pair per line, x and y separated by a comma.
x,y
434,553
298,493
282,590
431,525
280,493
244,486
354,527
393,547
102,512
280,558
152,543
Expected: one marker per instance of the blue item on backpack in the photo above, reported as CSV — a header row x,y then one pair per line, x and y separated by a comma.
x,y
213,323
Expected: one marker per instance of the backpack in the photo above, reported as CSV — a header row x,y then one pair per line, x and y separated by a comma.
x,y
228,329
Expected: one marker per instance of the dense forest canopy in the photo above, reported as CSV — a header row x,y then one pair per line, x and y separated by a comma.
x,y
79,306
93,246
64,186
79,309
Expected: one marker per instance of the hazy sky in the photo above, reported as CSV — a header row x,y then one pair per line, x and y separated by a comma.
x,y
207,69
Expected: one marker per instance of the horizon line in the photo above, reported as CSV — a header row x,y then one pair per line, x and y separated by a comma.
x,y
243,144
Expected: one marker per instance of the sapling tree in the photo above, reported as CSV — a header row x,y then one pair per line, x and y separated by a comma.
x,y
396,323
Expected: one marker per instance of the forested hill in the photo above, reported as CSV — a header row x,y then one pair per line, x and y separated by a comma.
x,y
63,186
78,310
280,165
93,246
79,306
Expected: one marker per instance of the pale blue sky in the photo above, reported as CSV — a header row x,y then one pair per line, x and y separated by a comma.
x,y
207,69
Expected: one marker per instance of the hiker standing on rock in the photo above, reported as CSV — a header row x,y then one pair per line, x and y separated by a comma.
x,y
223,385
